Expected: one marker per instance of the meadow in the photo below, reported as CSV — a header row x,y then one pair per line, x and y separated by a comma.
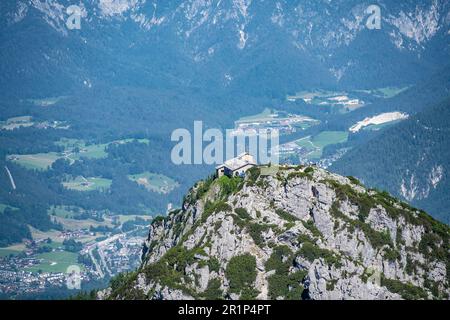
x,y
154,182
314,145
55,261
74,149
4,206
38,161
386,93
87,184
16,122
6,252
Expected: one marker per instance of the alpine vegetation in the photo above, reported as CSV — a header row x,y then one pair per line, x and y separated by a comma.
x,y
301,233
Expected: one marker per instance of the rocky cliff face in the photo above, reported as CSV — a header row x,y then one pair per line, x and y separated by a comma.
x,y
296,233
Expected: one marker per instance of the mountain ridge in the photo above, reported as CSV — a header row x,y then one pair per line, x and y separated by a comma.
x,y
219,40
299,233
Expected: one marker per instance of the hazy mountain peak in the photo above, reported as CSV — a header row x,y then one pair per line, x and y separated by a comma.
x,y
421,24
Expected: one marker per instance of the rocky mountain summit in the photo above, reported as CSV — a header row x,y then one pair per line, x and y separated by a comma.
x,y
290,233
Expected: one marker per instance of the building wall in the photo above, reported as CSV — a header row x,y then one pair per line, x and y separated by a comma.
x,y
220,172
242,170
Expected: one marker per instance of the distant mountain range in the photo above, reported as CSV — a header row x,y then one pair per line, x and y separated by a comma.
x,y
267,48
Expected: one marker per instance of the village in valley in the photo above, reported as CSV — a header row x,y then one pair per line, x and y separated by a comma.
x,y
309,148
303,150
101,243
98,251
281,121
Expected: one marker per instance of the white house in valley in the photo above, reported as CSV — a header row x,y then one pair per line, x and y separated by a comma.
x,y
236,166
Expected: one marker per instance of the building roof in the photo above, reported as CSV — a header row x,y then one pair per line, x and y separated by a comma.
x,y
238,162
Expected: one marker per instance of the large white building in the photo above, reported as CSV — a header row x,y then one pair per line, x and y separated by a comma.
x,y
236,166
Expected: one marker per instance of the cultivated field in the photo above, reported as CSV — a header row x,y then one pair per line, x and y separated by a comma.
x,y
266,115
385,93
46,102
74,150
124,218
314,145
65,211
343,102
4,206
38,161
55,261
87,184
16,122
77,149
41,235
6,252
154,182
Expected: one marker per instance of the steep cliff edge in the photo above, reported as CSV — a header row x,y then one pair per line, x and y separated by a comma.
x,y
298,233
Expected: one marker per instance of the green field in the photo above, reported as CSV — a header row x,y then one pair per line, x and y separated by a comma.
x,y
4,206
87,184
315,144
69,143
154,182
265,115
64,211
6,252
390,92
21,119
55,261
74,224
36,234
386,93
16,122
77,149
74,150
53,245
345,103
144,141
46,102
316,94
305,125
268,115
95,151
39,161
124,218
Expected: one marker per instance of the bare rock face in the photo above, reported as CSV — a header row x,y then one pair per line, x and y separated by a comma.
x,y
302,233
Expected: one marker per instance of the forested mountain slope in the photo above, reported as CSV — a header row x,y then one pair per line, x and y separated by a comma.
x,y
410,160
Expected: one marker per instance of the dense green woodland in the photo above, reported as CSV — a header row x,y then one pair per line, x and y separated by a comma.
x,y
105,115
99,117
414,146
143,84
